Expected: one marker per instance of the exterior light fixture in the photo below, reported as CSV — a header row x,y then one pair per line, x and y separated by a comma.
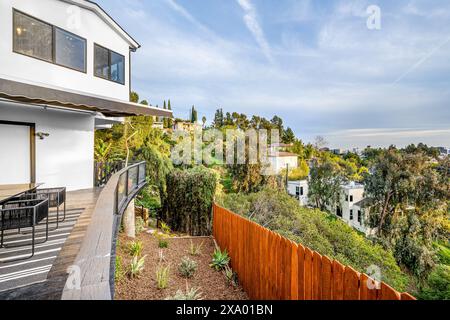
x,y
42,135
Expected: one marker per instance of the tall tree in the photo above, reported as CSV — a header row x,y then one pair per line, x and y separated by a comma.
x,y
288,136
324,183
194,115
169,120
165,119
218,119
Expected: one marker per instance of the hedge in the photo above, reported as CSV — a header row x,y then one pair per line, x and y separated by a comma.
x,y
189,200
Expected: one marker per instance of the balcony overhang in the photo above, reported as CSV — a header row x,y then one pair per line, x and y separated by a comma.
x,y
38,94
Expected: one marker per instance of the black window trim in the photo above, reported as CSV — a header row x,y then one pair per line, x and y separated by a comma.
x,y
53,42
109,63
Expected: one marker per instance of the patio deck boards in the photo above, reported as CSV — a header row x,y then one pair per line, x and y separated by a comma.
x,y
80,205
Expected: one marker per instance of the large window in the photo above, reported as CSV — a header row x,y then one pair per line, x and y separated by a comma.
x,y
70,50
41,40
33,37
109,64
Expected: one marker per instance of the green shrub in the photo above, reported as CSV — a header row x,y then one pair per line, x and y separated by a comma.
x,y
231,276
136,266
189,198
119,272
162,276
187,267
190,294
438,284
135,248
165,228
195,249
317,230
163,243
140,225
220,260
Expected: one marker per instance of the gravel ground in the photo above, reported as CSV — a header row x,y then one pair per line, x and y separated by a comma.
x,y
213,285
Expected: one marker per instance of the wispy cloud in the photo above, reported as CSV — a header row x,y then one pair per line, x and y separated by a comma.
x,y
183,12
251,21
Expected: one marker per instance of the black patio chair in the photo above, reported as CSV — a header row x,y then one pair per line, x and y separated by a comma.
x,y
56,197
23,214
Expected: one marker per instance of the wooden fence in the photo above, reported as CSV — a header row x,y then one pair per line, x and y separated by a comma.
x,y
271,267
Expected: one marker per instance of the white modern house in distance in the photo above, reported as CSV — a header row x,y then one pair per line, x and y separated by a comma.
x,y
352,205
65,69
299,189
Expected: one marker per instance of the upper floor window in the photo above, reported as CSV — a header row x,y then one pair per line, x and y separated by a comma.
x,y
109,64
44,41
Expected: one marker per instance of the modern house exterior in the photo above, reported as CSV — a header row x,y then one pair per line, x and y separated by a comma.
x,y
351,208
299,189
65,71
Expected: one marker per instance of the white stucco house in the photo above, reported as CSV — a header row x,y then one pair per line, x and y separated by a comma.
x,y
351,207
299,189
65,70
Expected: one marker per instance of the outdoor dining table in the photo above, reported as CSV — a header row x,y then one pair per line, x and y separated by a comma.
x,y
10,191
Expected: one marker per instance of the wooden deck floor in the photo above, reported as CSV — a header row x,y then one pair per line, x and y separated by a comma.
x,y
51,289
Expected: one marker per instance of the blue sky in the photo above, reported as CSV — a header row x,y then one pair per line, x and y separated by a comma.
x,y
312,62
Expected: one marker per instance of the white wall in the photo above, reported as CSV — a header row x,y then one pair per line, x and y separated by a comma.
x,y
15,154
292,188
91,27
279,163
66,157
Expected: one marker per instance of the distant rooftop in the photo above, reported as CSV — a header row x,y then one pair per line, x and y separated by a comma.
x,y
353,185
283,155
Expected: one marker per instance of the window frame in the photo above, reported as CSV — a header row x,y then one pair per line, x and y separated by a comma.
x,y
109,64
53,49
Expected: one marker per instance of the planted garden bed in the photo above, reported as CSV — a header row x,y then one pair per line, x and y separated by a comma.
x,y
205,282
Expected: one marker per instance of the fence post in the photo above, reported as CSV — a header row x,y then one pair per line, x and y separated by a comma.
x,y
327,277
351,284
338,281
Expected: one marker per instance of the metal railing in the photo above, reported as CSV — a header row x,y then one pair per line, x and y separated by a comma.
x,y
103,171
131,181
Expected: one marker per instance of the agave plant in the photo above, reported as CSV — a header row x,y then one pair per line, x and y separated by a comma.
x,y
136,266
190,294
220,260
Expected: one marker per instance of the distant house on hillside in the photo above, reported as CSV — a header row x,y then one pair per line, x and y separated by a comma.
x,y
186,126
299,189
280,159
351,207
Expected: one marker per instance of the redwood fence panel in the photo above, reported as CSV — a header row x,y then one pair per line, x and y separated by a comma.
x,y
271,267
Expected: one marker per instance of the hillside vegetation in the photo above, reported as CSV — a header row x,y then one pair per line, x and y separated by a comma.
x,y
317,230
